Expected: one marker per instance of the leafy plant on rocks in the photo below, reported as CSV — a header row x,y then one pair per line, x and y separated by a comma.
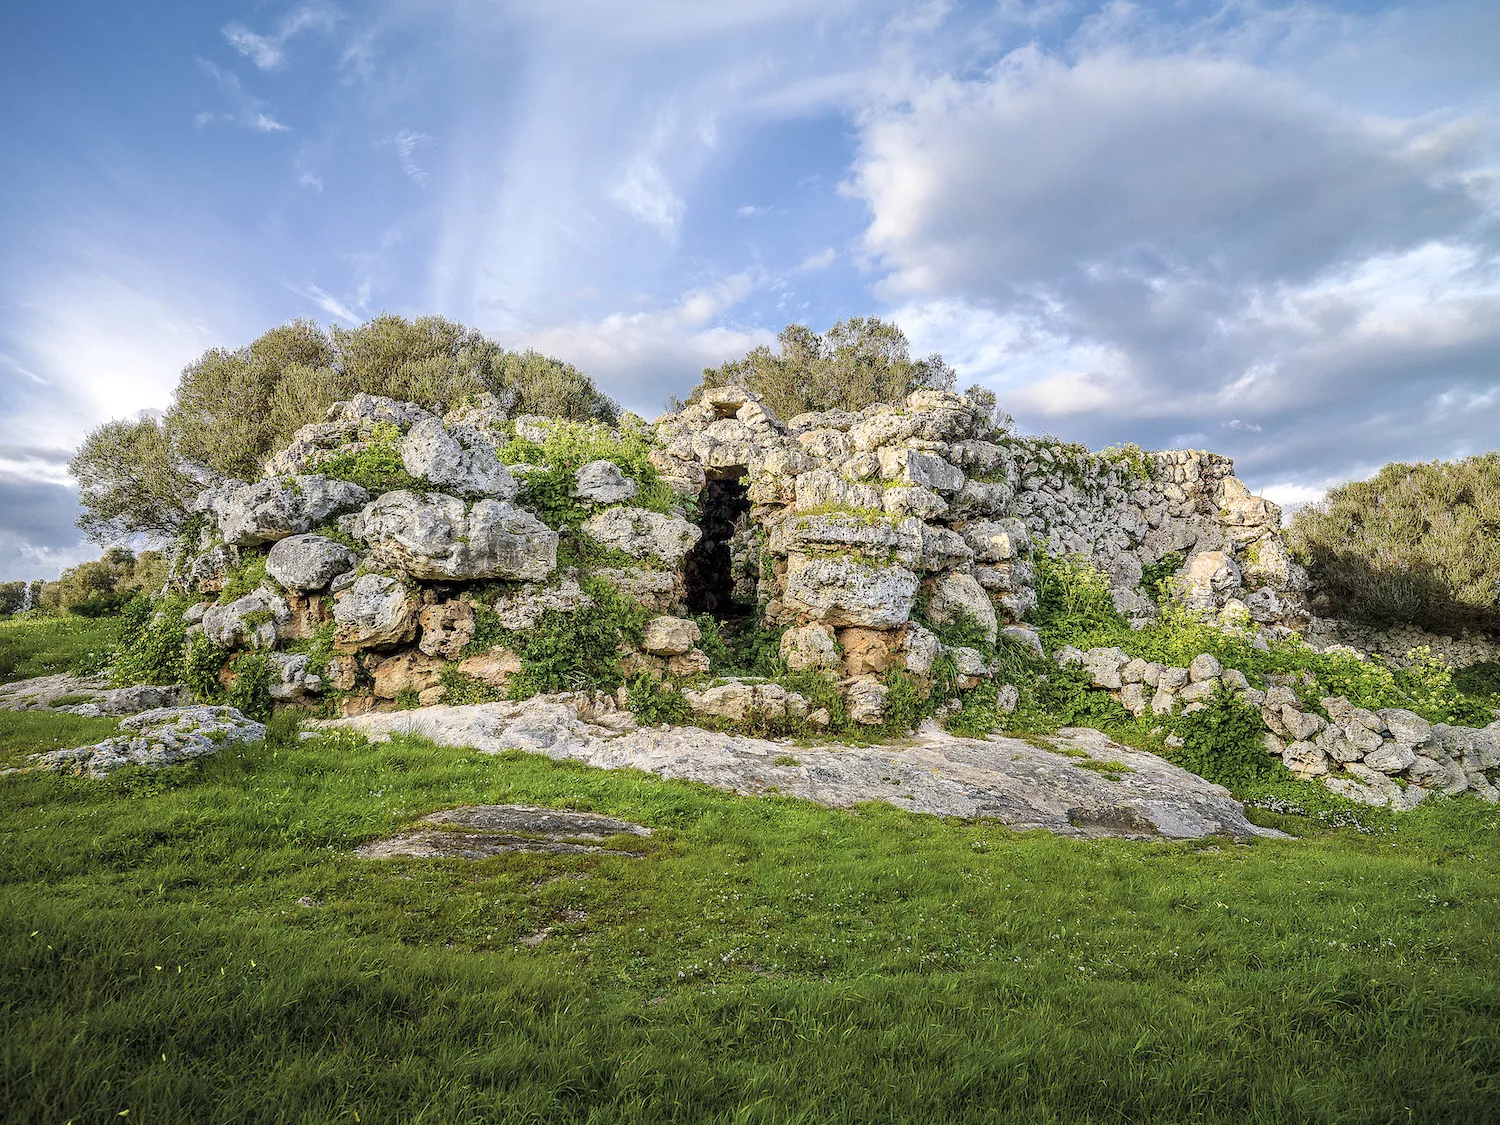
x,y
250,690
460,688
201,666
377,466
152,651
1224,742
577,650
655,700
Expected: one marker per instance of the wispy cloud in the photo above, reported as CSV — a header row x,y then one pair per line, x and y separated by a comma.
x,y
819,261
268,52
307,179
14,366
245,108
643,193
327,302
406,143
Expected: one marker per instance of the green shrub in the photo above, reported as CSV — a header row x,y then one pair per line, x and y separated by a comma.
x,y
460,688
577,650
154,634
857,362
249,576
377,467
571,444
906,703
201,667
1156,578
978,713
1417,544
250,691
655,701
1073,603
1225,743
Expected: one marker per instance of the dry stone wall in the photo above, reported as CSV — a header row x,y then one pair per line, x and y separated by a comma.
x,y
858,531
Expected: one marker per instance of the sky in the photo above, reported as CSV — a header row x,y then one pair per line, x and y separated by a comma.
x,y
1269,230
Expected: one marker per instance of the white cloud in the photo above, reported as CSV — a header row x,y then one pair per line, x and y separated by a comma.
x,y
248,110
268,52
643,193
642,357
307,179
407,141
819,261
327,302
751,211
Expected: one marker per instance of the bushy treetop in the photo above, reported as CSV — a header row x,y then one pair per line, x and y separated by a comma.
x,y
233,409
1416,544
857,362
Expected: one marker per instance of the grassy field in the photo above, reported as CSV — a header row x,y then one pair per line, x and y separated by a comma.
x,y
199,946
39,646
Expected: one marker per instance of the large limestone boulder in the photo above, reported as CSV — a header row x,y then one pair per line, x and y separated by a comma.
x,y
640,533
273,509
955,595
462,459
163,736
670,636
738,701
998,540
601,482
447,628
809,648
846,591
308,562
912,466
658,590
439,537
253,621
375,612
522,609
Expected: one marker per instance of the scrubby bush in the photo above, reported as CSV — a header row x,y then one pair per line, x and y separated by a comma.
x,y
857,362
1417,544
154,635
232,409
12,597
103,586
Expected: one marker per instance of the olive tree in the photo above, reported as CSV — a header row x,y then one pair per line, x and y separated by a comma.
x,y
857,362
233,409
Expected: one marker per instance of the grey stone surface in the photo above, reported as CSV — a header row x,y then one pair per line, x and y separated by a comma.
x,y
308,562
88,695
460,459
376,611
440,537
254,621
481,831
847,591
643,534
601,482
163,736
932,772
273,509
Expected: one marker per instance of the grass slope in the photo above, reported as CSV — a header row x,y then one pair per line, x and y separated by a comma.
x,y
768,960
33,645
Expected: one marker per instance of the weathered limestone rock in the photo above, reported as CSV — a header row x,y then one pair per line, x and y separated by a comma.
x,y
291,678
601,482
867,651
738,701
447,628
809,648
1106,666
375,612
482,831
865,697
522,610
494,668
921,649
693,662
846,591
440,537
463,460
281,506
959,595
308,562
1005,778
657,590
670,636
998,540
249,622
912,466
88,695
406,671
642,534
163,736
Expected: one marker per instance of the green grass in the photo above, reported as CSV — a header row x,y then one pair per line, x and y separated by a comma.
x,y
32,645
768,959
23,733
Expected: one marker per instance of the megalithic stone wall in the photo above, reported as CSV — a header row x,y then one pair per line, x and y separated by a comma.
x,y
857,522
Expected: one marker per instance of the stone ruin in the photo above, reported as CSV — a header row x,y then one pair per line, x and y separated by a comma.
x,y
854,530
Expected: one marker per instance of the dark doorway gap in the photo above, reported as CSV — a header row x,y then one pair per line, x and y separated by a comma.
x,y
708,571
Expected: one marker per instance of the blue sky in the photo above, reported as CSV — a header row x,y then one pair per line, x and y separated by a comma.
x,y
1269,230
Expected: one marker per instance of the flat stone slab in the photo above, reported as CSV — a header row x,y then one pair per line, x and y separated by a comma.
x,y
482,831
162,736
1078,783
88,695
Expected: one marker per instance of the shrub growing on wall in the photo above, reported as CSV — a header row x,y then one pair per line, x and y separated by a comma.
x,y
857,362
1417,544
